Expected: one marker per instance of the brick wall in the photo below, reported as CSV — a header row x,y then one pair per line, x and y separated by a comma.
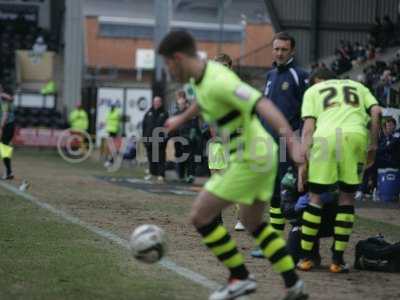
x,y
120,52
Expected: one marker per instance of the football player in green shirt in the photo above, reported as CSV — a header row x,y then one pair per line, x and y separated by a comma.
x,y
217,156
224,100
336,114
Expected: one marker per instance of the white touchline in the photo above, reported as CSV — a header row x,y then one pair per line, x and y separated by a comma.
x,y
166,263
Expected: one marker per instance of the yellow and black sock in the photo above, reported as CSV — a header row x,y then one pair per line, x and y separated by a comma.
x,y
276,220
274,248
7,164
217,239
311,221
343,227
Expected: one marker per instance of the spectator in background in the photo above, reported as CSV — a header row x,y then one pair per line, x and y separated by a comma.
x,y
113,127
38,49
7,128
130,149
386,157
371,51
381,77
155,145
322,65
188,131
343,50
78,119
384,88
360,54
342,62
314,66
49,88
372,77
385,154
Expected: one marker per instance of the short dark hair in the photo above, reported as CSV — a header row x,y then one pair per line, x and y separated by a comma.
x,y
284,36
321,73
224,58
390,120
181,94
178,41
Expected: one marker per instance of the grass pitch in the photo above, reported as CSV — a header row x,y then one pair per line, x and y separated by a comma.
x,y
42,257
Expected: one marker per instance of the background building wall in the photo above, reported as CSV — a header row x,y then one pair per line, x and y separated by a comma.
x,y
120,52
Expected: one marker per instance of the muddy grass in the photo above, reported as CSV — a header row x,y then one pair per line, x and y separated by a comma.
x,y
75,189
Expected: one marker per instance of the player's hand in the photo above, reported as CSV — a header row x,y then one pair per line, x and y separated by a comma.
x,y
302,177
173,123
297,154
305,152
371,156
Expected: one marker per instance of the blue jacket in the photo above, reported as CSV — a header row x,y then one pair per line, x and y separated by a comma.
x,y
285,86
303,201
387,155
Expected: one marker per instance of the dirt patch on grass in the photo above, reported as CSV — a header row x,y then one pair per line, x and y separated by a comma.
x,y
388,215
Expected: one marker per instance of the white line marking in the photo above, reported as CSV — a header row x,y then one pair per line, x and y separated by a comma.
x,y
166,263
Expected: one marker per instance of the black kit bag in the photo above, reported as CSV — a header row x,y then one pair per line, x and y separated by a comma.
x,y
376,254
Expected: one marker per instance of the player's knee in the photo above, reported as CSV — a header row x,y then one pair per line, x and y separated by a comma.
x,y
200,219
197,219
193,218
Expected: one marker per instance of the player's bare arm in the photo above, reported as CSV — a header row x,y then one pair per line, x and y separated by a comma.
x,y
306,142
3,123
307,134
278,122
6,97
175,122
375,113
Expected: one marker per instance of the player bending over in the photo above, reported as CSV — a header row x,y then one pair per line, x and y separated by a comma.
x,y
336,114
223,99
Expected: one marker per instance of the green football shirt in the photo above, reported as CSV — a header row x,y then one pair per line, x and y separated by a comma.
x,y
229,103
338,104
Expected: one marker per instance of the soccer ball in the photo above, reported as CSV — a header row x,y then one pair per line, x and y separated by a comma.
x,y
148,243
